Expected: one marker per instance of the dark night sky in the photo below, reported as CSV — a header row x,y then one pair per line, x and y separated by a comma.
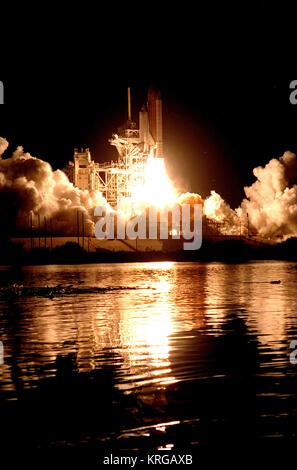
x,y
225,97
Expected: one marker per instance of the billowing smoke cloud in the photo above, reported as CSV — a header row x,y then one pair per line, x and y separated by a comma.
x,y
272,200
29,185
3,145
217,209
270,206
190,198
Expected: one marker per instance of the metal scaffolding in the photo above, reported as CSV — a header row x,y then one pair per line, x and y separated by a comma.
x,y
116,180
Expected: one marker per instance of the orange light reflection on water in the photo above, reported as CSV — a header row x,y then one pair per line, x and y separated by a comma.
x,y
145,330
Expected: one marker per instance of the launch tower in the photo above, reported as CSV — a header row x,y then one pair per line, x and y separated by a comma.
x,y
134,145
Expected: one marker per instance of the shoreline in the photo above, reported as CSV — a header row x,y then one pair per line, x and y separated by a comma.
x,y
223,250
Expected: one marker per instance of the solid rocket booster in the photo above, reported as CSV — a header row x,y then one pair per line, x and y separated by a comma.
x,y
155,118
150,123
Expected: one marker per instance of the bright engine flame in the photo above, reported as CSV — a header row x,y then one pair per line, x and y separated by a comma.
x,y
157,189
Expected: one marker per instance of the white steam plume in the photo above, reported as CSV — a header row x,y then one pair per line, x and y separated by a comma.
x,y
272,200
217,209
270,204
29,185
3,145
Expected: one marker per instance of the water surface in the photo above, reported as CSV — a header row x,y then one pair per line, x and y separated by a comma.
x,y
180,355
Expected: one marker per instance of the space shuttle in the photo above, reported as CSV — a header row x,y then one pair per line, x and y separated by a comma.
x,y
150,123
149,137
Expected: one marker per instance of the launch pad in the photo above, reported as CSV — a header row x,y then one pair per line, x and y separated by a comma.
x,y
117,179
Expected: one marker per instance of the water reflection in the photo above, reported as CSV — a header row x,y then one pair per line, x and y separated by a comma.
x,y
145,327
163,350
141,324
